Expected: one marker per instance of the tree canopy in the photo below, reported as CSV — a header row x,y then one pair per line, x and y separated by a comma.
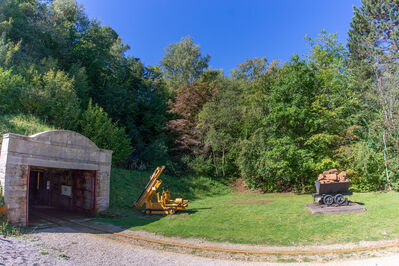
x,y
276,125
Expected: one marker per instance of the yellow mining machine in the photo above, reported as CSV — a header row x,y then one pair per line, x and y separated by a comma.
x,y
163,205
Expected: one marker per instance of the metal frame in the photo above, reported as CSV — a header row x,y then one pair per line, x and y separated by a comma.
x,y
94,185
27,198
93,194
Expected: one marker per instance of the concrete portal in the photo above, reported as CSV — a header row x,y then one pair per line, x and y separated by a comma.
x,y
68,171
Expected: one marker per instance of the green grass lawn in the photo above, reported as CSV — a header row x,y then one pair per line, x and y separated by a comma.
x,y
285,220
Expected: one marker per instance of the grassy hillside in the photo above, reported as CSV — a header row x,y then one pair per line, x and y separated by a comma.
x,y
22,124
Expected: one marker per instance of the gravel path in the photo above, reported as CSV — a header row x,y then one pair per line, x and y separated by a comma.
x,y
29,251
64,246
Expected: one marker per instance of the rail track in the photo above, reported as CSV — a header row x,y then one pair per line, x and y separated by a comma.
x,y
140,241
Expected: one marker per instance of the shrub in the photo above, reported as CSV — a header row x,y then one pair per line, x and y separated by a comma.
x,y
10,91
52,97
97,126
200,165
364,166
1,197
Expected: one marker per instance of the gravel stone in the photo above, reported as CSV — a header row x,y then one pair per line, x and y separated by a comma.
x,y
64,246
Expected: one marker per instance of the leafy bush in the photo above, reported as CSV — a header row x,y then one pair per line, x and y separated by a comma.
x,y
364,166
10,91
97,126
200,165
52,97
1,197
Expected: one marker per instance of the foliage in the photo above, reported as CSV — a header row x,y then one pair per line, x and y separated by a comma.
x,y
364,166
183,63
53,98
1,197
97,126
53,59
7,229
220,119
277,126
188,103
11,86
373,46
22,124
200,165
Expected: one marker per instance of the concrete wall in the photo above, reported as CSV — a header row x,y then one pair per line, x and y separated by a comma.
x,y
53,149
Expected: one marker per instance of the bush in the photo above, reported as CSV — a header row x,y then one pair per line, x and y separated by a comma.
x,y
97,126
1,197
200,165
10,91
364,166
52,97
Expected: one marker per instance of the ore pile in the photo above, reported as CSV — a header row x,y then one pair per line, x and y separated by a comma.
x,y
332,176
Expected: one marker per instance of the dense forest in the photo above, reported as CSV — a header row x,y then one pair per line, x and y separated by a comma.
x,y
276,125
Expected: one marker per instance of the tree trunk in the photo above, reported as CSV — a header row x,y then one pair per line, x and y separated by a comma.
x,y
385,160
214,163
223,163
387,121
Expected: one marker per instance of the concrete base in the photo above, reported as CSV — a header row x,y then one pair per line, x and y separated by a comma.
x,y
319,209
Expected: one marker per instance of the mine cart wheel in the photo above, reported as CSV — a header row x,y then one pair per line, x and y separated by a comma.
x,y
328,199
339,199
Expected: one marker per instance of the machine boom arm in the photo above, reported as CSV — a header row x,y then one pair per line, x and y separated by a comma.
x,y
164,204
151,187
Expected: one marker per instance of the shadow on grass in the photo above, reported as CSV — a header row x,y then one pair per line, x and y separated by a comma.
x,y
132,218
127,185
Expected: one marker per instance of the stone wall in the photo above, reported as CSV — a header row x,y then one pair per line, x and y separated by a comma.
x,y
53,149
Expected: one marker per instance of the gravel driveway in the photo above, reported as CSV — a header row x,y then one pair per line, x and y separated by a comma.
x,y
64,246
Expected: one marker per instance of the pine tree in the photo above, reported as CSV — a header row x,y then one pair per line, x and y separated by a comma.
x,y
374,51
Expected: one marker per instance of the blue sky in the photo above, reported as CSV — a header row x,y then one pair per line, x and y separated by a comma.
x,y
229,30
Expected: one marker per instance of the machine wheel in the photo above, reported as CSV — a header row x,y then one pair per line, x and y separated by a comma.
x,y
339,199
328,199
172,211
147,212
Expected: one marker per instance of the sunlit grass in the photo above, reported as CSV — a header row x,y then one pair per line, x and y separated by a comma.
x,y
283,221
22,124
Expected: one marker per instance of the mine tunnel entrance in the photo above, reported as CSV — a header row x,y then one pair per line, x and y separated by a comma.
x,y
60,193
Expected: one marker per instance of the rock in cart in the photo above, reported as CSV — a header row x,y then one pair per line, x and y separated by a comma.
x,y
332,188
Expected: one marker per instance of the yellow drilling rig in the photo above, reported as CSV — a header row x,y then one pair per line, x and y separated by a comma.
x,y
163,205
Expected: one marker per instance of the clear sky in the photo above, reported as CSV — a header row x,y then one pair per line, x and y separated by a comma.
x,y
229,30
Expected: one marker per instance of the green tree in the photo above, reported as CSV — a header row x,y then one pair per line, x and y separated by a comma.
x,y
183,63
220,120
97,126
374,50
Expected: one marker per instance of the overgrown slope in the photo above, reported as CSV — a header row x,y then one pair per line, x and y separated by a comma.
x,y
21,124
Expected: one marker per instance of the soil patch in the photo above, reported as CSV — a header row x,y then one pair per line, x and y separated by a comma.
x,y
239,186
318,209
253,202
